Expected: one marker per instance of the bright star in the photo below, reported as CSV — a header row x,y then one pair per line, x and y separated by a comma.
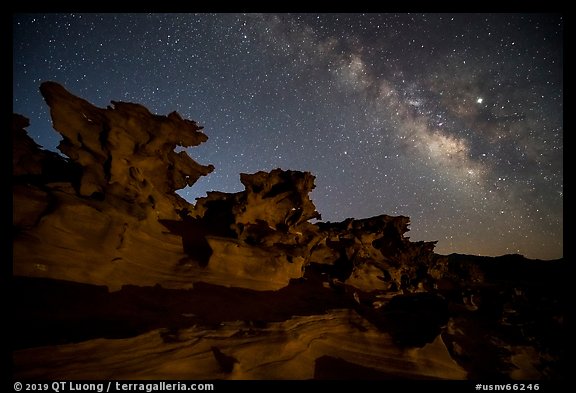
x,y
479,100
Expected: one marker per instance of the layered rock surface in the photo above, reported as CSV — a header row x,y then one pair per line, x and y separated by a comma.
x,y
112,266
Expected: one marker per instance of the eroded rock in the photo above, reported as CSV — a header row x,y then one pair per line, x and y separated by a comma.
x,y
93,217
125,150
244,285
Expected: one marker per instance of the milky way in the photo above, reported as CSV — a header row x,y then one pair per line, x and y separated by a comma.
x,y
454,120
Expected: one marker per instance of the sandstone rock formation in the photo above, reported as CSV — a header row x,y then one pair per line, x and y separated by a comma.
x,y
101,225
126,152
113,267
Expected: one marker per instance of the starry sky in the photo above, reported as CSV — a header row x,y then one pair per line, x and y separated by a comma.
x,y
455,120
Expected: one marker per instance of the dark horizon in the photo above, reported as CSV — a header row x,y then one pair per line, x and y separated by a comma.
x,y
452,120
125,275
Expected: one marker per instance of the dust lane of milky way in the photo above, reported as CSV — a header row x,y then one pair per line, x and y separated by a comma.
x,y
454,120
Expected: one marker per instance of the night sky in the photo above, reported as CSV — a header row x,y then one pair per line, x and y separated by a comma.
x,y
454,120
